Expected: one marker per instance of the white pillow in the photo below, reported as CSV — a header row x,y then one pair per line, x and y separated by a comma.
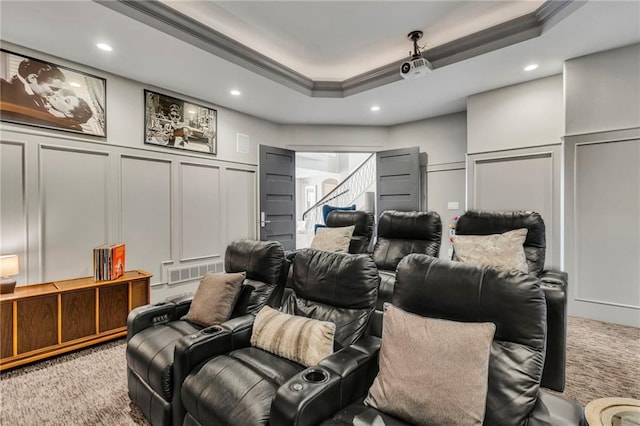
x,y
333,239
504,251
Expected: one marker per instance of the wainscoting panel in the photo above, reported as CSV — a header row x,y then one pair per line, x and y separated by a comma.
x,y
240,205
526,179
146,212
446,186
13,218
200,211
73,198
602,238
607,224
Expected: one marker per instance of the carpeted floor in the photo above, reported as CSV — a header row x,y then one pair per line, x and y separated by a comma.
x,y
89,387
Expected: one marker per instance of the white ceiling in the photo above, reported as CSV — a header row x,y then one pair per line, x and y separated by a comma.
x,y
333,40
331,30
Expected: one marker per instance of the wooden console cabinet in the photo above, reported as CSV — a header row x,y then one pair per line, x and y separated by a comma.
x,y
41,320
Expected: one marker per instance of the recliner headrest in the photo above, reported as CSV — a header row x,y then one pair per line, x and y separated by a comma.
x,y
262,260
475,222
337,279
363,221
456,291
410,225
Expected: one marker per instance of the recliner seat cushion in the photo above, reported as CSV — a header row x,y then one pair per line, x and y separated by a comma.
x,y
150,354
236,389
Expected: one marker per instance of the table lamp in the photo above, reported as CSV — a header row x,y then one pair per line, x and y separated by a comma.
x,y
8,268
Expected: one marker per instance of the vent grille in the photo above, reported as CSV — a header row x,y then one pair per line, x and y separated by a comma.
x,y
185,273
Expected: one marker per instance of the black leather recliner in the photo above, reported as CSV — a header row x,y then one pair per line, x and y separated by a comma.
x,y
154,330
554,283
363,231
399,234
238,386
439,288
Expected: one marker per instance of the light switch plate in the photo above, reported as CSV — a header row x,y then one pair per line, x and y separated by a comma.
x,y
453,205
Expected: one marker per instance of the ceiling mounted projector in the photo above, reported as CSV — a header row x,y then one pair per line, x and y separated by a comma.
x,y
416,66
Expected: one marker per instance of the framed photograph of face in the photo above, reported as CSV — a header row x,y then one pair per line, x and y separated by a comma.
x,y
180,124
39,93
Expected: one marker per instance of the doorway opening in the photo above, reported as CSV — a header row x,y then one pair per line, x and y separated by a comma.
x,y
334,178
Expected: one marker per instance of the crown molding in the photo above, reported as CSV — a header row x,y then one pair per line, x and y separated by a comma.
x,y
176,24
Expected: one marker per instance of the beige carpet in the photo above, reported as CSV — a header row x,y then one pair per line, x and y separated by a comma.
x,y
89,387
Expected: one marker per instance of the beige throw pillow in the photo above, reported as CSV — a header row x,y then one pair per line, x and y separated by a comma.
x,y
432,372
333,239
304,340
504,251
215,298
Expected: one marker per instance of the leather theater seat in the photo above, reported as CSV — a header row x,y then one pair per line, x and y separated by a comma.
x,y
554,283
439,288
154,330
238,387
363,227
399,234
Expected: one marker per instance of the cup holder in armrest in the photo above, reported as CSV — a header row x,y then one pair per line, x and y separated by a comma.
x,y
315,375
211,330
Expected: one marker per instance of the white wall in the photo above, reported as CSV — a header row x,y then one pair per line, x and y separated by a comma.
x,y
333,138
603,91
64,194
519,116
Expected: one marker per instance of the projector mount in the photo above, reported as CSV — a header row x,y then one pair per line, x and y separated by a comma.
x,y
415,36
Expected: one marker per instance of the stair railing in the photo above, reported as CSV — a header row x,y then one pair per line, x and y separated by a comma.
x,y
348,191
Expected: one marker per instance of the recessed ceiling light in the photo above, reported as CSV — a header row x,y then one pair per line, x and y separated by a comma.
x,y
235,92
375,108
104,46
75,84
531,67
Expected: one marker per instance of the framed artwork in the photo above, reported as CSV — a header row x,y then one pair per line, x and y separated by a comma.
x,y
39,93
176,123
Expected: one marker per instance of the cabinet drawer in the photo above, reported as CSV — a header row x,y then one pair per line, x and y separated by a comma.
x,y
114,306
6,326
37,323
78,314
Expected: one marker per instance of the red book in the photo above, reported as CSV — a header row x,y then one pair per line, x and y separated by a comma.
x,y
117,261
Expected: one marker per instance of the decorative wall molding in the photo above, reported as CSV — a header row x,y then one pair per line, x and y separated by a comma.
x,y
585,287
157,15
552,194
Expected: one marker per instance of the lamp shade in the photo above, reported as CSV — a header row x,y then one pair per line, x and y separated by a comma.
x,y
9,265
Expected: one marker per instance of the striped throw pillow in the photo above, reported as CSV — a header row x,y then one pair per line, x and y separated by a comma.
x,y
304,340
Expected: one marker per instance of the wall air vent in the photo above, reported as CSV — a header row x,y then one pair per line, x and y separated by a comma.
x,y
185,273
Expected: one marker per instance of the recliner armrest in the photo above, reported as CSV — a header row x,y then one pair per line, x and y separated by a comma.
x,y
183,303
240,329
554,277
149,315
348,373
191,351
554,286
